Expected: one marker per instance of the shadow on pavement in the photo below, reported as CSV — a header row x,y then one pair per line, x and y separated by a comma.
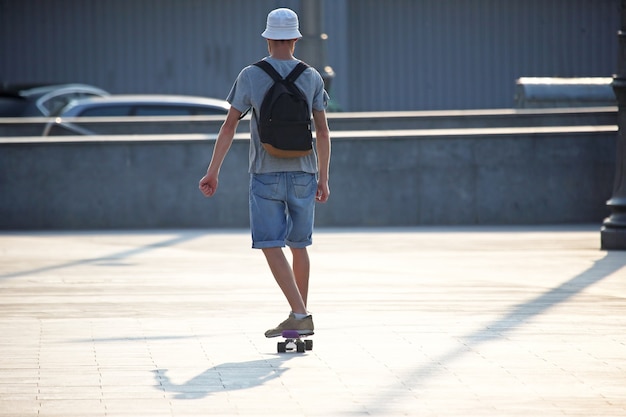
x,y
225,377
110,260
498,329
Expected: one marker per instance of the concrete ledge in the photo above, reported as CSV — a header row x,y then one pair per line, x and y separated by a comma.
x,y
450,119
541,92
459,119
390,178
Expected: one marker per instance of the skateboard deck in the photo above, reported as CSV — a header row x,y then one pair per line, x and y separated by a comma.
x,y
294,342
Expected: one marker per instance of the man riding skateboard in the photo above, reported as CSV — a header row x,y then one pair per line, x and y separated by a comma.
x,y
283,190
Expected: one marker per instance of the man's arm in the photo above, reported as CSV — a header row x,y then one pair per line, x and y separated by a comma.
x,y
208,183
322,135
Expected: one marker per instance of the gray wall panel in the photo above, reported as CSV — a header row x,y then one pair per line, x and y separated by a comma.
x,y
137,46
458,54
388,55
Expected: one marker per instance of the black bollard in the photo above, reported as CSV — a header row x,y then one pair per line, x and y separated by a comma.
x,y
613,233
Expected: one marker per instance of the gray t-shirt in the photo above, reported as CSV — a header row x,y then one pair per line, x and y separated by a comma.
x,y
248,91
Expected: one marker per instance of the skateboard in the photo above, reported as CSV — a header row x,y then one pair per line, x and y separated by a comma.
x,y
294,341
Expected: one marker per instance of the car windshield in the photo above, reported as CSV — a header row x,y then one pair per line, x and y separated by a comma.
x,y
54,104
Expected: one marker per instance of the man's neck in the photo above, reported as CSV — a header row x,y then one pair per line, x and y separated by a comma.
x,y
282,51
282,57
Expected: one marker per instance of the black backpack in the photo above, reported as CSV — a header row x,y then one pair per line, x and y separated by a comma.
x,y
284,121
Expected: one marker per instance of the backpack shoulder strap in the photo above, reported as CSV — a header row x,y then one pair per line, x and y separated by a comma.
x,y
269,69
295,73
292,76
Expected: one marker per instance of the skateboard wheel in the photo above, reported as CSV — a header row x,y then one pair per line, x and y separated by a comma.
x,y
281,347
308,344
300,347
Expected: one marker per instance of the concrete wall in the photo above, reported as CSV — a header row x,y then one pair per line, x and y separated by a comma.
x,y
386,178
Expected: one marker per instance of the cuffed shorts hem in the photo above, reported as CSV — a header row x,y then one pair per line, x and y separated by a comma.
x,y
280,244
299,245
268,244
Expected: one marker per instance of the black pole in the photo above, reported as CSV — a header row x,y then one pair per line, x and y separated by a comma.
x,y
313,44
613,233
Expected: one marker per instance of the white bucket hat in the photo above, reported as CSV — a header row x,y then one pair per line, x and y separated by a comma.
x,y
282,24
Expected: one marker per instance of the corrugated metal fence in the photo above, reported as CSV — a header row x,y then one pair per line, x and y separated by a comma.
x,y
459,54
388,55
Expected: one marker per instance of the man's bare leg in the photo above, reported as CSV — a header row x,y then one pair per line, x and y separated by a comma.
x,y
301,268
284,276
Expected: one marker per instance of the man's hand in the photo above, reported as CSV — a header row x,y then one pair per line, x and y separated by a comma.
x,y
323,192
208,185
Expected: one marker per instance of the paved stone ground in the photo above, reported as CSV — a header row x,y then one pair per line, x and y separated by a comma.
x,y
422,321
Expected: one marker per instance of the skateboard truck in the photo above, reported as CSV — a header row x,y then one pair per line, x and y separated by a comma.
x,y
293,341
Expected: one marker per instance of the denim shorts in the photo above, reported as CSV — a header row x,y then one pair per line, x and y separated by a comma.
x,y
282,209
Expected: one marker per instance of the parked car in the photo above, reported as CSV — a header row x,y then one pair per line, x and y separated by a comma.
x,y
129,105
144,105
42,100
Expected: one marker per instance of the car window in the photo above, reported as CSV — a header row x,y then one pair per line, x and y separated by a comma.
x,y
207,111
162,111
122,110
